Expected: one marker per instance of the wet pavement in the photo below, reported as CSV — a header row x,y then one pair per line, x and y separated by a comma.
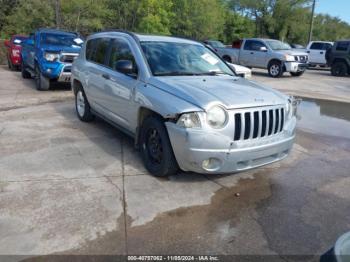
x,y
68,187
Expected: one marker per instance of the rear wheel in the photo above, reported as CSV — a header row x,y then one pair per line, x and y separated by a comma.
x,y
297,73
156,149
275,69
42,82
82,106
339,69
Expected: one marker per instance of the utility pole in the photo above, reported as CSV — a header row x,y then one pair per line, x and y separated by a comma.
x,y
58,13
312,21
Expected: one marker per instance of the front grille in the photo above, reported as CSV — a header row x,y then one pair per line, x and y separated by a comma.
x,y
301,58
67,69
68,58
258,123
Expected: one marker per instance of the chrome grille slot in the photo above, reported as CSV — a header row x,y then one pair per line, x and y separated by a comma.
x,y
68,57
257,123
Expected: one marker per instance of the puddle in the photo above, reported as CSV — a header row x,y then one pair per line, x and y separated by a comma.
x,y
324,117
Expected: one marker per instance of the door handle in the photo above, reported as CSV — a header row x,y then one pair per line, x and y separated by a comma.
x,y
308,52
106,76
252,53
321,53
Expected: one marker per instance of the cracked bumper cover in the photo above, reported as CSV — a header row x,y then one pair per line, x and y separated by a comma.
x,y
191,147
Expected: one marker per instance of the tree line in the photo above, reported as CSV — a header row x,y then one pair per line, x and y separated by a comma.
x,y
226,20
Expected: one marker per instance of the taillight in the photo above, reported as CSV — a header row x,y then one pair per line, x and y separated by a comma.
x,y
15,53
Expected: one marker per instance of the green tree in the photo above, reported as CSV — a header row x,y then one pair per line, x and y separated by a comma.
x,y
85,16
154,16
198,19
29,15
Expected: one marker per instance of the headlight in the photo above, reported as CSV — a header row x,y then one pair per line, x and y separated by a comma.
x,y
289,58
217,117
51,56
189,120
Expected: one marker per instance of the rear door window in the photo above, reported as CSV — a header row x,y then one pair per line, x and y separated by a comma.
x,y
96,50
316,46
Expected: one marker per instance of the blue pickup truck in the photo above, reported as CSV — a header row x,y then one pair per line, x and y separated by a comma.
x,y
47,56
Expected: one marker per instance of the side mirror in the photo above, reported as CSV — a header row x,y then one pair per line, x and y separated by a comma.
x,y
7,43
263,49
125,67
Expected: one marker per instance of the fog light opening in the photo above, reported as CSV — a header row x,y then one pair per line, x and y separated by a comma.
x,y
211,164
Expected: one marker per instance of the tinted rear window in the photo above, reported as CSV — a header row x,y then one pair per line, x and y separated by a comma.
x,y
96,50
342,46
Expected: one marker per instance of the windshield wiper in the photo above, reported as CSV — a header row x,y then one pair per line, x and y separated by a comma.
x,y
215,73
175,73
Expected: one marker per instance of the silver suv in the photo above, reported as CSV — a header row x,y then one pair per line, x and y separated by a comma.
x,y
181,103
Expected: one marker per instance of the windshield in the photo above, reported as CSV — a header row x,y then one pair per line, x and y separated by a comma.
x,y
56,39
170,58
278,45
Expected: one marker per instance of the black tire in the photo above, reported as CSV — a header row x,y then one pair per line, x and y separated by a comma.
x,y
9,64
339,69
227,59
25,74
156,150
297,73
82,106
275,69
42,82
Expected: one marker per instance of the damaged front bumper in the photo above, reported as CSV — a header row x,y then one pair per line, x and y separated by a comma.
x,y
295,66
206,152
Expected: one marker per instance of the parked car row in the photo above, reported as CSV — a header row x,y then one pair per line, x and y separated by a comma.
x,y
273,55
183,104
278,57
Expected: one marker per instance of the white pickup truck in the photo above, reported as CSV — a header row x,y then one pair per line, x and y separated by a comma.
x,y
277,57
317,52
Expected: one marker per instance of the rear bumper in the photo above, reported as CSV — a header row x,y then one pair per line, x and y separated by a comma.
x,y
193,147
295,66
16,61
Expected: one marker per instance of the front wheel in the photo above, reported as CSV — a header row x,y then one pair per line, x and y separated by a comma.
x,y
275,69
339,69
9,64
42,82
156,149
25,74
297,73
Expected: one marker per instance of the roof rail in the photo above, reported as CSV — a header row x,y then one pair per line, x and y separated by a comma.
x,y
132,34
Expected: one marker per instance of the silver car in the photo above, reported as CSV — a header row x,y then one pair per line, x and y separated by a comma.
x,y
183,105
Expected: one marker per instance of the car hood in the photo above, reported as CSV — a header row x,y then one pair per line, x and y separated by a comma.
x,y
292,52
61,48
231,92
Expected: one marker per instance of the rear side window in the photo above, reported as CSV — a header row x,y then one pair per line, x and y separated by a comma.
x,y
342,46
120,50
96,50
253,45
90,49
317,46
